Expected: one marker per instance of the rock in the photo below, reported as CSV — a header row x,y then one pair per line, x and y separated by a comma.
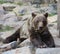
x,y
12,35
57,41
23,50
53,30
25,10
27,50
26,43
19,10
9,46
10,19
2,12
52,19
50,9
8,6
9,15
48,51
26,17
52,25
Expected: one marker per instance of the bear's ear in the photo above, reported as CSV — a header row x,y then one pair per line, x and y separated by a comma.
x,y
33,15
46,15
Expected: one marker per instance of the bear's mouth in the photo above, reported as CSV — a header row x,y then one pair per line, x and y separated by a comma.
x,y
41,30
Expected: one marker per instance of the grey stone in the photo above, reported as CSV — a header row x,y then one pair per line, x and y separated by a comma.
x,y
23,50
26,43
7,18
8,6
27,50
50,9
13,33
10,19
48,51
25,10
1,11
9,46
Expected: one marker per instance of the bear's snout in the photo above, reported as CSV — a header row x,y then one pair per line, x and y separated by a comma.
x,y
40,28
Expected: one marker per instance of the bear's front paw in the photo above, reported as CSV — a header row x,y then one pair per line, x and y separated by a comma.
x,y
42,46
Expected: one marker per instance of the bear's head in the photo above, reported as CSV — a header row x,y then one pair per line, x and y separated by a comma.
x,y
39,22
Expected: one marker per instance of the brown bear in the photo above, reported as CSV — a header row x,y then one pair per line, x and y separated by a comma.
x,y
39,32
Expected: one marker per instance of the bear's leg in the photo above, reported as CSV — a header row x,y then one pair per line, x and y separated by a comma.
x,y
37,42
49,40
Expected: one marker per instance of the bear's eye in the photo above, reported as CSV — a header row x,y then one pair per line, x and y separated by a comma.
x,y
37,21
44,23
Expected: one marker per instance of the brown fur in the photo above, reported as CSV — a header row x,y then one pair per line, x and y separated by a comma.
x,y
39,33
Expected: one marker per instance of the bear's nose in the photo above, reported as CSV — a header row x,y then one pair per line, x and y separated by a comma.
x,y
41,28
